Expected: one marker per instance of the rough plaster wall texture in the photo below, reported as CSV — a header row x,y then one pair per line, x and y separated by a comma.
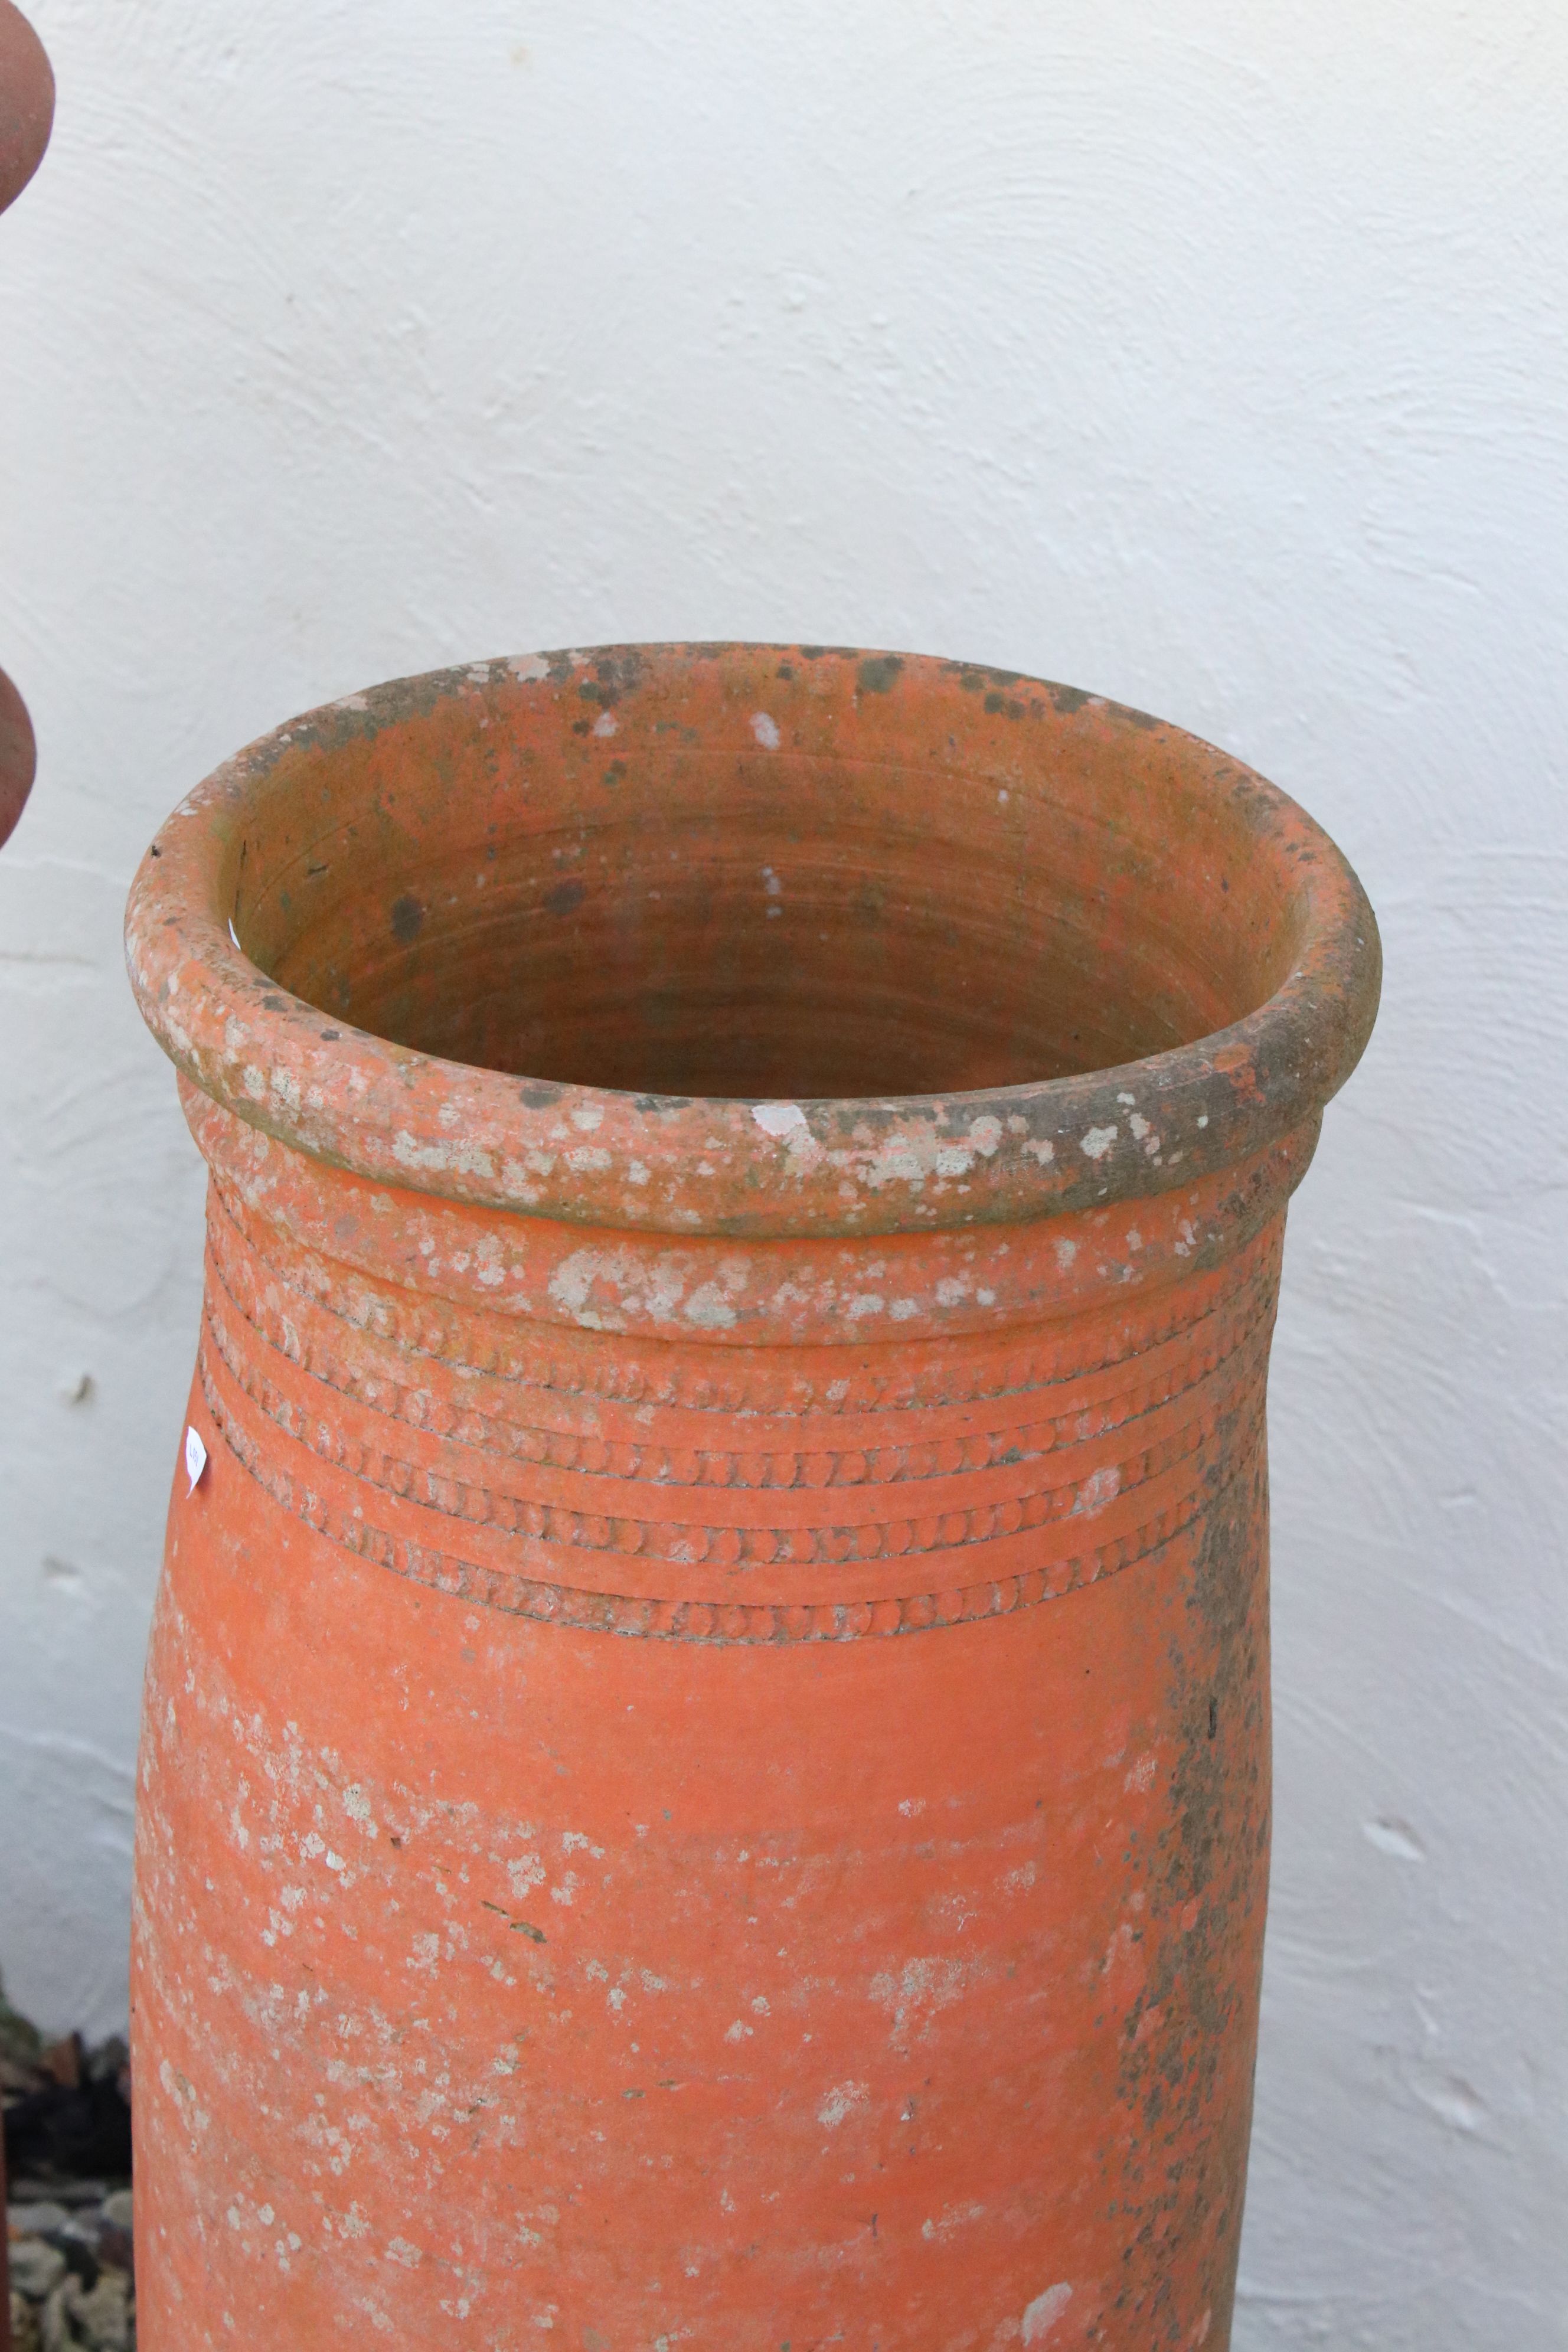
x,y
1208,354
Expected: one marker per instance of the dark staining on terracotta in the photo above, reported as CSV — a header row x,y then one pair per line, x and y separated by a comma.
x,y
617,670
407,919
707,649
879,673
539,1094
566,896
979,677
1206,1885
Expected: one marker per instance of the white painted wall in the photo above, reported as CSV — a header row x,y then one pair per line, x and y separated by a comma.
x,y
1208,352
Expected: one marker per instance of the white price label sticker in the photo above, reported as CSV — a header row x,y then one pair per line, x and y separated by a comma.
x,y
195,1460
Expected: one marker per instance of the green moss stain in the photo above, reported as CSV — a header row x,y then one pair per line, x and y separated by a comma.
x,y
879,673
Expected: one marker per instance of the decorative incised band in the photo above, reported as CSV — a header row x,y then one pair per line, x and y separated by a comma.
x,y
705,1544
794,1385
722,1621
1107,1433
1234,1337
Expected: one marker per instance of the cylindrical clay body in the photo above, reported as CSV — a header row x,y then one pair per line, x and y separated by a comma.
x,y
705,1772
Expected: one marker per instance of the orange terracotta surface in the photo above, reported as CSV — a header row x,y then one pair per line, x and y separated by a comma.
x,y
705,1771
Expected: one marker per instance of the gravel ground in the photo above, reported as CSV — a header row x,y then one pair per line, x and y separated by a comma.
x,y
72,2286
67,2167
